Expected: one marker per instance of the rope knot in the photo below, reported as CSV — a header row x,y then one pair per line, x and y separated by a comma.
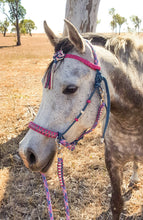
x,y
58,56
98,79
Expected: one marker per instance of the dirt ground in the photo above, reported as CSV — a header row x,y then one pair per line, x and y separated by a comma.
x,y
22,195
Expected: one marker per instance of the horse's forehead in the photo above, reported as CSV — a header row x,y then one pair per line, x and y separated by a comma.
x,y
71,69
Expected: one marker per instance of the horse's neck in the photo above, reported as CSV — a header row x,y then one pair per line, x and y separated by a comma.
x,y
125,85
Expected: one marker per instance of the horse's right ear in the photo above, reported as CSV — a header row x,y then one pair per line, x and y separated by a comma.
x,y
52,37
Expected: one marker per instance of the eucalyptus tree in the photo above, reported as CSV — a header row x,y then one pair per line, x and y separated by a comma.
x,y
26,26
116,20
119,20
136,21
4,27
15,13
113,23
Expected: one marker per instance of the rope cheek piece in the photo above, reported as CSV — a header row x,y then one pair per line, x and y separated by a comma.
x,y
59,137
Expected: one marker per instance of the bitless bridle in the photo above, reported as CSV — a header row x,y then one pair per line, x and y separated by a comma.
x,y
59,137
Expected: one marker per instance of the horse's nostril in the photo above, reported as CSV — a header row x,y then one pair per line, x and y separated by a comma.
x,y
31,157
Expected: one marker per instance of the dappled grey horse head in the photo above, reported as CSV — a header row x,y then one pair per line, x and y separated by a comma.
x,y
72,84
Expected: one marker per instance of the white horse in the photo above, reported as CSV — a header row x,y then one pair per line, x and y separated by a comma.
x,y
72,84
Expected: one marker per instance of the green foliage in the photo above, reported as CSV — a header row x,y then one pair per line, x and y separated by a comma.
x,y
116,20
113,25
26,26
119,20
112,11
13,30
15,14
136,21
4,27
98,21
129,29
1,28
16,10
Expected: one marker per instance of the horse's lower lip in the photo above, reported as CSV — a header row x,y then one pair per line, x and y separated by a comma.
x,y
45,169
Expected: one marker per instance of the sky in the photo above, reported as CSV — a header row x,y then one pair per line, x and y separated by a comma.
x,y
53,11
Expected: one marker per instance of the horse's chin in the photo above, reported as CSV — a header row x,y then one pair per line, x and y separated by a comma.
x,y
47,166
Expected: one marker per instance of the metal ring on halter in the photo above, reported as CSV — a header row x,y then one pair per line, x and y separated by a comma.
x,y
59,146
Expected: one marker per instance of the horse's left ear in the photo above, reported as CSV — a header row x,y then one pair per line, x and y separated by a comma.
x,y
75,38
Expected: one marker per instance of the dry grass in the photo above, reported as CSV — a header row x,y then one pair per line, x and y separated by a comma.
x,y
22,194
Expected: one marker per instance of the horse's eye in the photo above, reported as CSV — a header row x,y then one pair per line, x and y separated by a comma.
x,y
70,89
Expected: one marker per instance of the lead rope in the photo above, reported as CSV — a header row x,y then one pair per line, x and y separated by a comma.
x,y
49,205
62,183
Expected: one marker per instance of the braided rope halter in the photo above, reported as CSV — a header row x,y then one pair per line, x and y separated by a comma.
x,y
59,137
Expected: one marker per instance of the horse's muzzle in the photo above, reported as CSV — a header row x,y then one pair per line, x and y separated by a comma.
x,y
37,158
30,160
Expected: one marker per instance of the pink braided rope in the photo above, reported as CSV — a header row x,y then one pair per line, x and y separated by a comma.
x,y
100,110
42,130
51,134
62,183
67,145
48,197
86,62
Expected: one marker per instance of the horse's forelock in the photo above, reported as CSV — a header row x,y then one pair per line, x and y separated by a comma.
x,y
65,45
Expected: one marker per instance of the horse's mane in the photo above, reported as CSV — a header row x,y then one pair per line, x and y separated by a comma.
x,y
124,47
129,51
125,42
117,42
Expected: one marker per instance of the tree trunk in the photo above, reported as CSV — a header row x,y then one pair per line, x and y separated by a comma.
x,y
17,26
18,33
83,14
4,33
119,29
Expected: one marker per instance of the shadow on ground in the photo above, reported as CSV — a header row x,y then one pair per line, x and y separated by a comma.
x,y
1,47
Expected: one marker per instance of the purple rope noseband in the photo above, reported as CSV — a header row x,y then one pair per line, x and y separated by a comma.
x,y
60,136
